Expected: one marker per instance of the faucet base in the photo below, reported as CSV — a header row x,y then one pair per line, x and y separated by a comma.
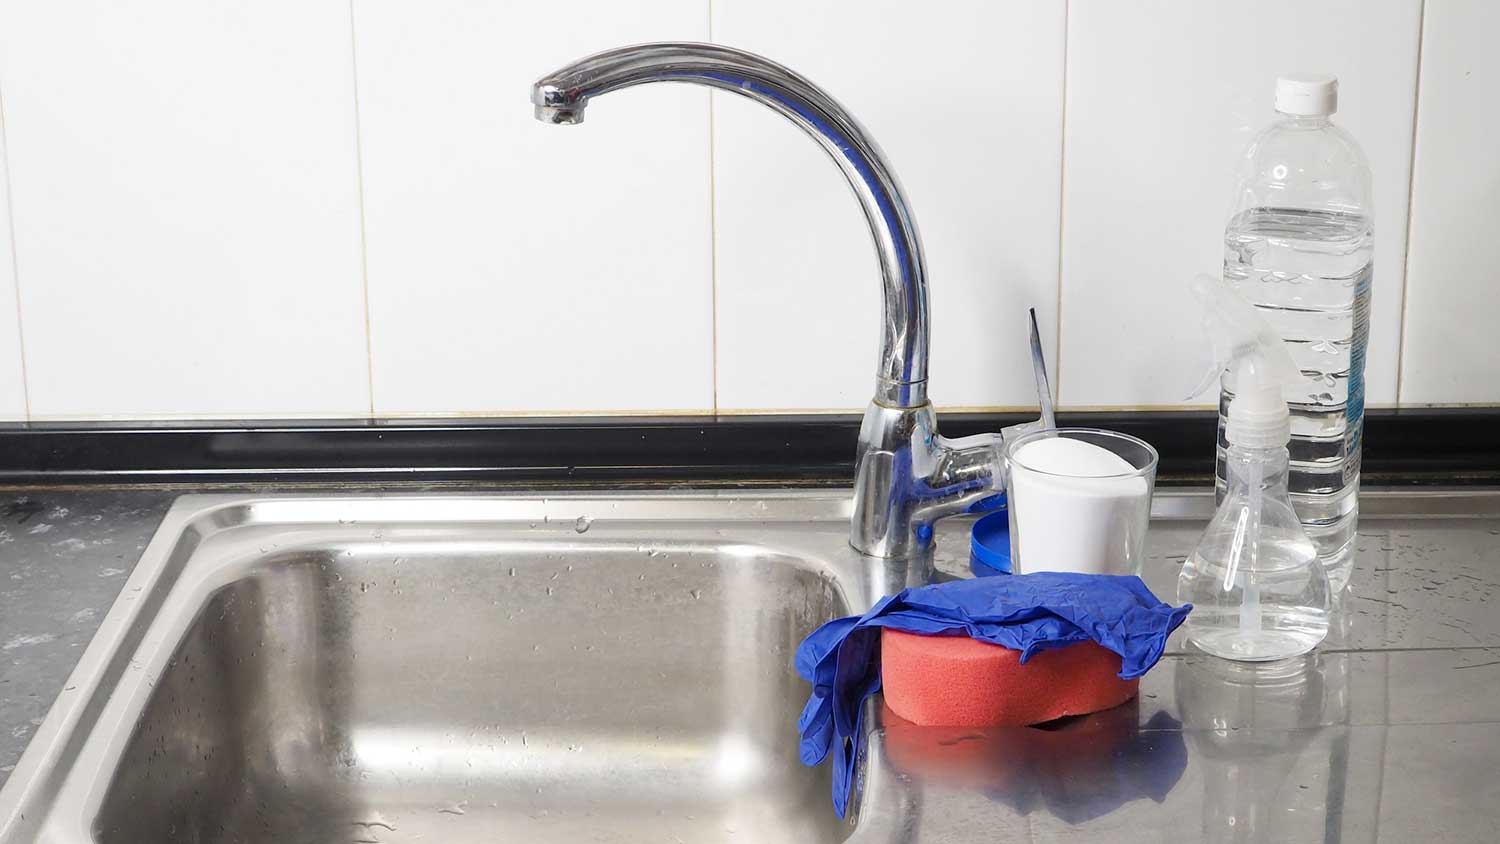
x,y
908,476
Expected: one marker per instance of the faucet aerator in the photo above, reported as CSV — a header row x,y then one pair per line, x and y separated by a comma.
x,y
559,115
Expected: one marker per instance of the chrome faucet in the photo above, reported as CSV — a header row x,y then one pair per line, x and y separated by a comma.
x,y
907,476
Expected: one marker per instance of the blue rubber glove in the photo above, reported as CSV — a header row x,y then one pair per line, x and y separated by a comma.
x,y
1027,613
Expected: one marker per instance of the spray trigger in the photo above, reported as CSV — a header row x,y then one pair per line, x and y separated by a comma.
x,y
1255,359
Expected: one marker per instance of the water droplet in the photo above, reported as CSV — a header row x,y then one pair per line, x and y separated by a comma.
x,y
696,593
549,590
582,525
512,571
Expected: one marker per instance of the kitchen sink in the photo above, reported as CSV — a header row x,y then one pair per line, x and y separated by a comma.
x,y
451,669
618,668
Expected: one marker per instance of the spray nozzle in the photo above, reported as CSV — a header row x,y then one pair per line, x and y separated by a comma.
x,y
1250,350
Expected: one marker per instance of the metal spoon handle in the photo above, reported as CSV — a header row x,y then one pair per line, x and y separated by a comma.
x,y
1039,366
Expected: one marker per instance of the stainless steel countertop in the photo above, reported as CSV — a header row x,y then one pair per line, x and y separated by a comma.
x,y
1389,732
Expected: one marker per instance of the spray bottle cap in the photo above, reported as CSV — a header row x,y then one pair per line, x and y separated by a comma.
x,y
1245,344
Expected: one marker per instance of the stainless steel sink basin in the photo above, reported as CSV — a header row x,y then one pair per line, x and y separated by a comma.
x,y
451,670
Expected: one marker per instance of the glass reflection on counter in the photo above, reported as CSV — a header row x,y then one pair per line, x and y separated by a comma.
x,y
1272,742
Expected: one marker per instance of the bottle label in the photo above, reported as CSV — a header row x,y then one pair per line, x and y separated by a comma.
x,y
1354,413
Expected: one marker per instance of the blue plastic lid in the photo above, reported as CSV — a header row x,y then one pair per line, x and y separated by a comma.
x,y
989,545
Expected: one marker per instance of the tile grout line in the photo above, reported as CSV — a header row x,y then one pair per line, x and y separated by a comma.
x,y
1411,196
1062,182
1388,541
1416,649
15,261
1385,732
359,181
713,234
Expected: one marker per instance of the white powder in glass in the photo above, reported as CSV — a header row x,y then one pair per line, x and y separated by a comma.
x,y
1076,507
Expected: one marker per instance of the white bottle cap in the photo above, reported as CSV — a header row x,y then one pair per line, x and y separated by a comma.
x,y
1307,94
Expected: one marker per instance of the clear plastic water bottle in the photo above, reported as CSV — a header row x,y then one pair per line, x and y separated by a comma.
x,y
1299,246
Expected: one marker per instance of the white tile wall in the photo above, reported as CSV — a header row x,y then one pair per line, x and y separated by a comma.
x,y
1162,97
521,267
12,375
185,204
1453,279
335,208
966,104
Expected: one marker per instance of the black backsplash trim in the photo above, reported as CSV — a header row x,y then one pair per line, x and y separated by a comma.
x,y
1436,446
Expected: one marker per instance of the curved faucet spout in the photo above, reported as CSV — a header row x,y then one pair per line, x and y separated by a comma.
x,y
561,98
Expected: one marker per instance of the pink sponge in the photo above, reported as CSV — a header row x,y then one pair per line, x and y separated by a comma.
x,y
955,681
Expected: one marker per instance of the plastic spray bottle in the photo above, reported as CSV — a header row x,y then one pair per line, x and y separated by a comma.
x,y
1258,590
